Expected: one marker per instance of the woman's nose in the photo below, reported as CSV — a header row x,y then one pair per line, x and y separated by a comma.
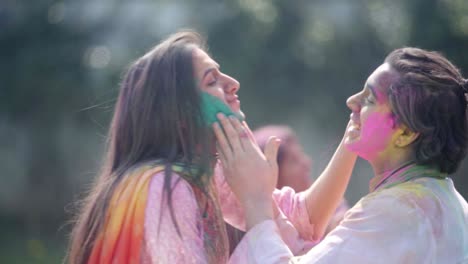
x,y
231,84
353,103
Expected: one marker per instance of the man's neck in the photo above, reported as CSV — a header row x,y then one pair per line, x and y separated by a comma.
x,y
387,168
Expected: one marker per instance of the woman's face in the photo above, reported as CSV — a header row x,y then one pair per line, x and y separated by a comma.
x,y
372,123
211,80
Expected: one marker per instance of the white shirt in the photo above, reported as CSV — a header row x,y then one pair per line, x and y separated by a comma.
x,y
423,220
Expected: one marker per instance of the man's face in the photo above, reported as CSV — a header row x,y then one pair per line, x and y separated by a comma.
x,y
372,122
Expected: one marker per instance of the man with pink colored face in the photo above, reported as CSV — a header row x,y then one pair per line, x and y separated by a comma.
x,y
410,123
372,123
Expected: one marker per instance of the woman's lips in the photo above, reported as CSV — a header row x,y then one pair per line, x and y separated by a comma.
x,y
234,104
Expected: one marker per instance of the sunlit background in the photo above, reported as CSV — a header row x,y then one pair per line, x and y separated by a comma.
x,y
297,61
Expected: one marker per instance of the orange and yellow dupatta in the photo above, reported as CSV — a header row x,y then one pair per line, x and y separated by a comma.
x,y
120,240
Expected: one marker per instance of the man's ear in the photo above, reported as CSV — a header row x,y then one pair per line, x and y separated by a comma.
x,y
405,137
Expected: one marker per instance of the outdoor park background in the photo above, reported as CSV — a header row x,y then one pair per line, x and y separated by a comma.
x,y
297,61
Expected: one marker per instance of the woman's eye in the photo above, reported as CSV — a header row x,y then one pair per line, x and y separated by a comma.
x,y
211,80
368,100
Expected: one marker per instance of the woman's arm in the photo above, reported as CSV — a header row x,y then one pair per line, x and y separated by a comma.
x,y
326,193
252,175
288,210
242,163
379,229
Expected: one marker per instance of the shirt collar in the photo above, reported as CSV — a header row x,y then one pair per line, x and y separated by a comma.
x,y
404,173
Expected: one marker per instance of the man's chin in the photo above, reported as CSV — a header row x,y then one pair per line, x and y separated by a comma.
x,y
352,145
359,150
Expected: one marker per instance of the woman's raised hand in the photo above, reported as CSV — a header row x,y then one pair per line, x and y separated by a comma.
x,y
251,174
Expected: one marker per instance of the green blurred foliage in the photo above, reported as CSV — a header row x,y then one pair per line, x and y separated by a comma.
x,y
297,61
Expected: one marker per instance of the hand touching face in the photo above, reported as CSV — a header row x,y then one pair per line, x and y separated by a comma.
x,y
251,174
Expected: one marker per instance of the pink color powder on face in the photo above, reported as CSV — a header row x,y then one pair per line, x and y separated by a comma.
x,y
376,131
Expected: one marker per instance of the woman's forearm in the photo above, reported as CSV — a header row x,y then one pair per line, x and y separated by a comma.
x,y
327,191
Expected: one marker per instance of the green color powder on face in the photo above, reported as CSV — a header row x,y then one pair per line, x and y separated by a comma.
x,y
212,105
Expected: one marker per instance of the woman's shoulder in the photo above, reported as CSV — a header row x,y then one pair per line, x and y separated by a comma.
x,y
177,183
183,199
406,191
166,222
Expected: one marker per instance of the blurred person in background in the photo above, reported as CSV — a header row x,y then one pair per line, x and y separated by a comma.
x,y
294,166
410,123
161,196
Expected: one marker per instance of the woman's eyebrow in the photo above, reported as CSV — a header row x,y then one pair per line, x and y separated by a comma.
x,y
207,71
